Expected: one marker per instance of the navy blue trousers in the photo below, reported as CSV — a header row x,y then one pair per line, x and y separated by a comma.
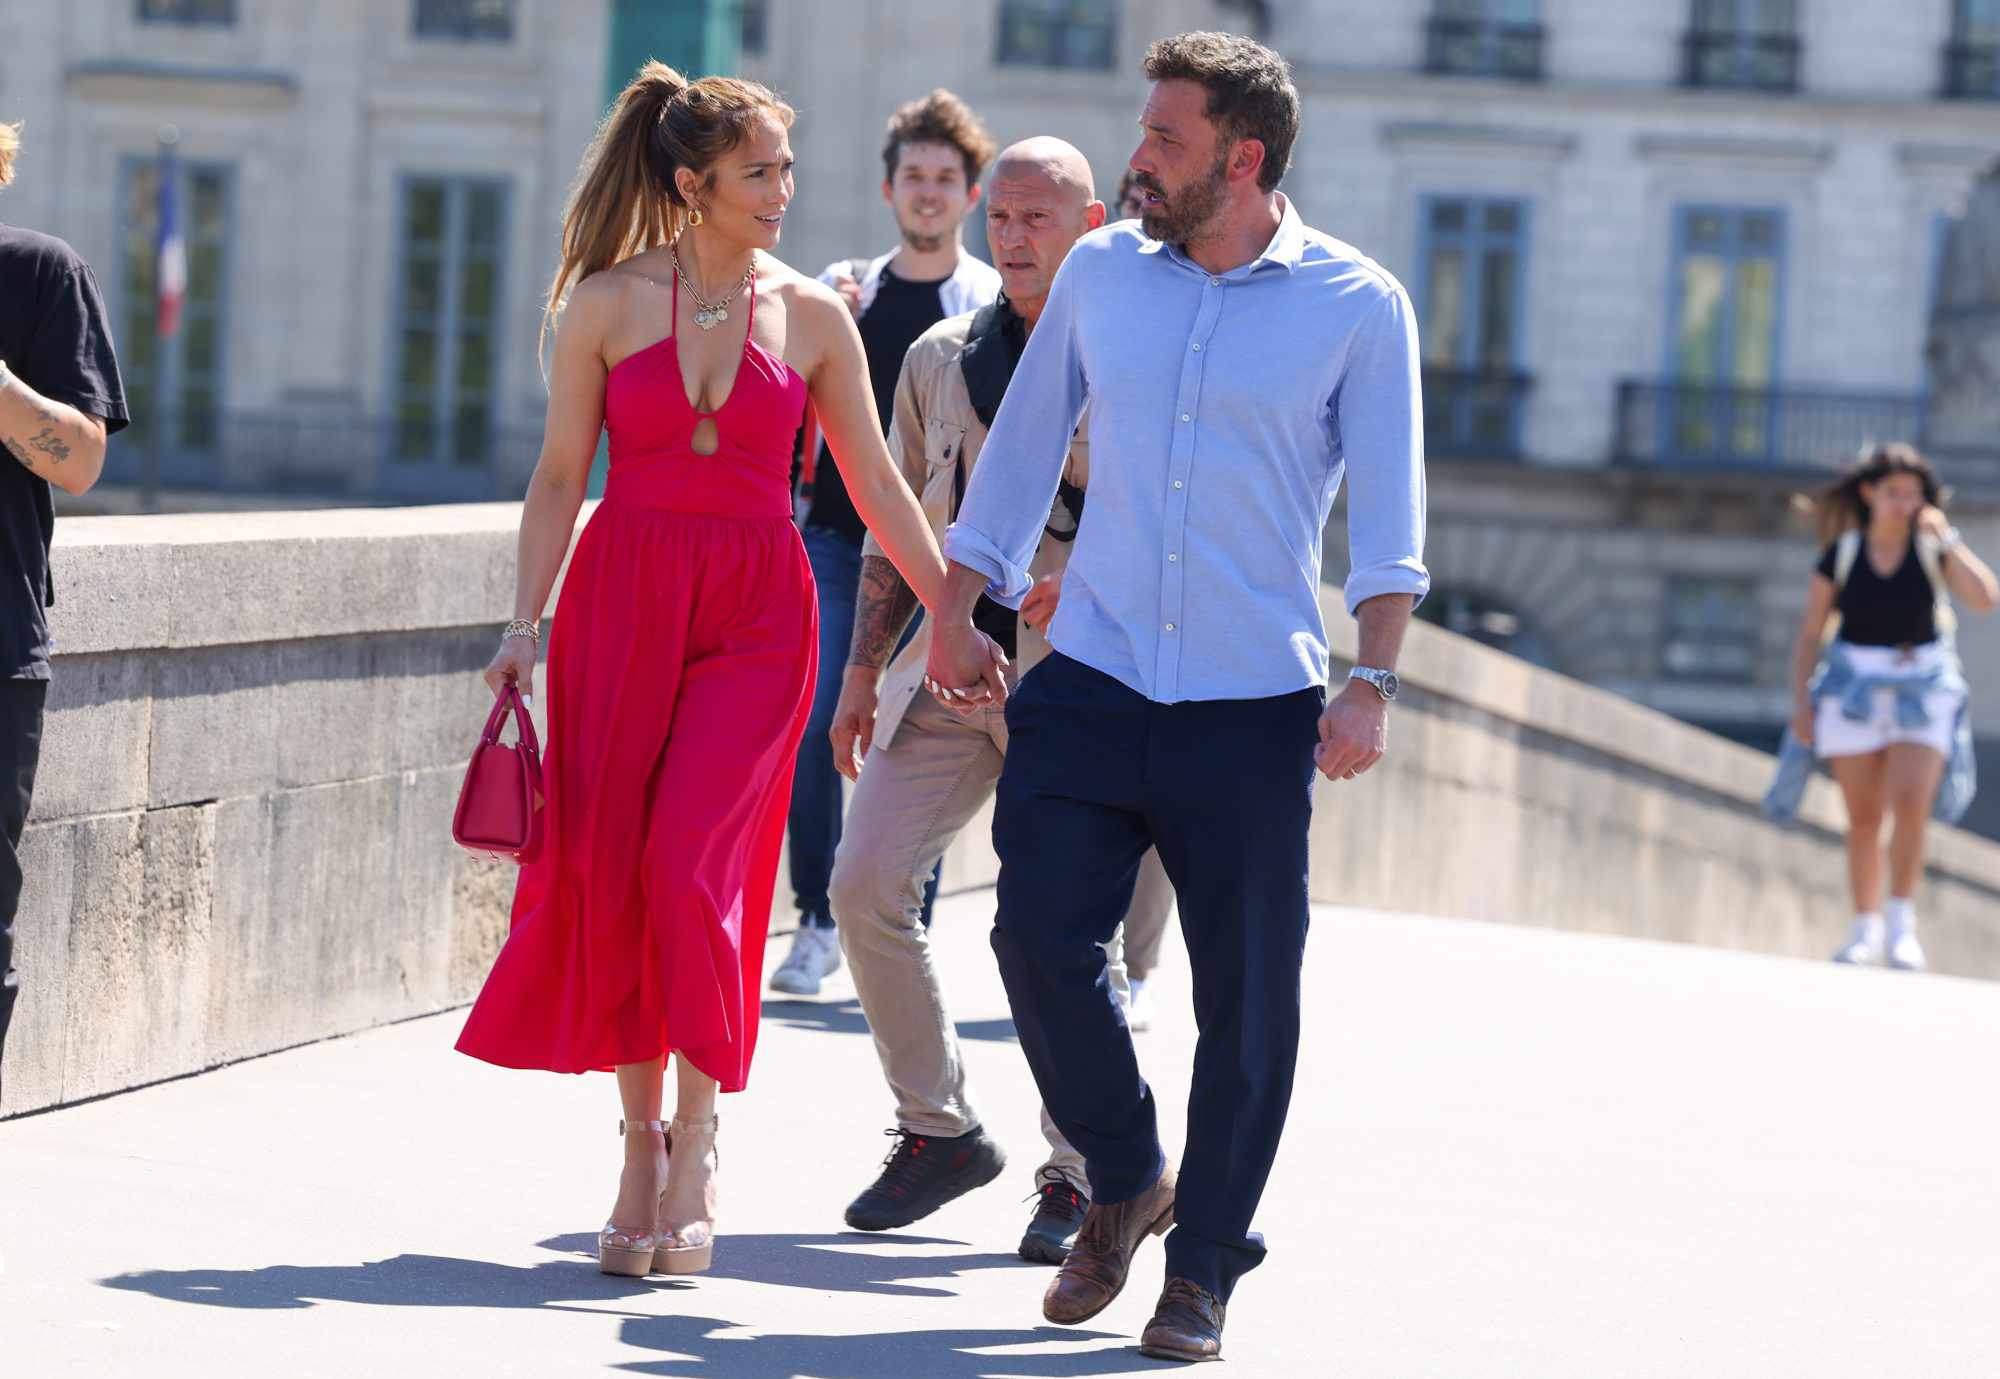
x,y
1095,775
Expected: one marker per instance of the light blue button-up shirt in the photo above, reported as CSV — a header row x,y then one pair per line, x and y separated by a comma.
x,y
1224,410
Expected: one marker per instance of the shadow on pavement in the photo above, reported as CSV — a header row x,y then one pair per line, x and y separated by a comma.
x,y
845,1017
408,1280
805,1261
703,1346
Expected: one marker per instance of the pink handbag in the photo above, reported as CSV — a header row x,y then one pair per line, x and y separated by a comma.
x,y
499,810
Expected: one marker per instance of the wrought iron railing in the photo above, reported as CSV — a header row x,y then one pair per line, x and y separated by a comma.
x,y
1483,48
1735,60
1697,426
328,456
1474,415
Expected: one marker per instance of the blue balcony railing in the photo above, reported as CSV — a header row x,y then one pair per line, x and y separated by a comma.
x,y
1699,426
1474,415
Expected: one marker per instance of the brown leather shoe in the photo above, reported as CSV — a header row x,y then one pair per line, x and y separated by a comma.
x,y
1187,1325
1094,1272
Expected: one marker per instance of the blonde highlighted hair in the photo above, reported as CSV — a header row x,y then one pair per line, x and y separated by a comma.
x,y
10,144
625,199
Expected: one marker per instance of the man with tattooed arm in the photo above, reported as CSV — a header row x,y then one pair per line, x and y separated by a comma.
x,y
929,770
60,396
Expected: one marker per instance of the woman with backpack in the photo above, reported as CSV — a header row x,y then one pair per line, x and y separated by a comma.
x,y
1883,700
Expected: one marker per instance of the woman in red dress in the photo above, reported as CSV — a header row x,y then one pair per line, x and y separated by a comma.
x,y
681,658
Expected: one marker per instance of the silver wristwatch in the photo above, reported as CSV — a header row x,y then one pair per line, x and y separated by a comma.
x,y
1386,682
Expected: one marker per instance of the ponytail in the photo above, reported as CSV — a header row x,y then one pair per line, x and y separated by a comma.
x,y
625,200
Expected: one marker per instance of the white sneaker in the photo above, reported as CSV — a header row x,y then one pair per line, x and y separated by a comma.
x,y
1864,946
1905,953
1138,1013
815,955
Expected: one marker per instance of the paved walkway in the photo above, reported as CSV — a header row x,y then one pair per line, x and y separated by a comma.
x,y
1513,1153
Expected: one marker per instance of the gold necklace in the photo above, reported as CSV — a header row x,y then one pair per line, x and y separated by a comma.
x,y
710,312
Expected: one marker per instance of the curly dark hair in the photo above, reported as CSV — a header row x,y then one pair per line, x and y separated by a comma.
x,y
1250,91
939,118
1840,507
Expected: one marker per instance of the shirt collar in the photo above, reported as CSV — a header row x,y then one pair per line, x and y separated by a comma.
x,y
1286,250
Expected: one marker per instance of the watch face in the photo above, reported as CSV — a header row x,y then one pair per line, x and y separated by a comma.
x,y
1391,685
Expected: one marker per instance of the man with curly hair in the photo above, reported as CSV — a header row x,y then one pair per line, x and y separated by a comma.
x,y
932,158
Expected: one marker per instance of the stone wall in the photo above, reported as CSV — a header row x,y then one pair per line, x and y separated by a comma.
x,y
240,839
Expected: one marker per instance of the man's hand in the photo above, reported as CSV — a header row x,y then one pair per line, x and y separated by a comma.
x,y
853,731
1038,609
1353,732
965,670
850,292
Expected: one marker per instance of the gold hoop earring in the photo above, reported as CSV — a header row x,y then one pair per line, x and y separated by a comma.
x,y
694,215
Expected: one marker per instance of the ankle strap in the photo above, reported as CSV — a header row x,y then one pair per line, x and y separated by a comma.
x,y
708,1126
656,1127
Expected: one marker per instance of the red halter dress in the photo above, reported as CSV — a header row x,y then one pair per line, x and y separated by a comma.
x,y
680,674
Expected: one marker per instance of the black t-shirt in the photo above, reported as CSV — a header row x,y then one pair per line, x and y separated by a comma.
x,y
1898,611
55,339
900,311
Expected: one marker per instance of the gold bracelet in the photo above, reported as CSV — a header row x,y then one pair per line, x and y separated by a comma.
x,y
522,627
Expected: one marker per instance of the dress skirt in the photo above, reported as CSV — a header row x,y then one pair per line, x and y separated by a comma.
x,y
680,675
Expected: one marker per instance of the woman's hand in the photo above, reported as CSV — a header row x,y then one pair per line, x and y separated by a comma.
x,y
513,664
1932,522
1802,722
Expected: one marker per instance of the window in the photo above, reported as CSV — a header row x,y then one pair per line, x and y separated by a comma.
x,y
1058,33
174,383
1472,255
471,21
1712,630
447,319
1972,58
1745,44
1488,38
215,14
756,27
1727,288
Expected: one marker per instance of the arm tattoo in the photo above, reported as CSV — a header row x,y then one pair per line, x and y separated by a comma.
x,y
884,609
52,445
17,452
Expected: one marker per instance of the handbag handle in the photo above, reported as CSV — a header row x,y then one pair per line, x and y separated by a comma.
x,y
508,699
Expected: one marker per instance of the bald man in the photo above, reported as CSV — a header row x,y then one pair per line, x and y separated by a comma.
x,y
929,770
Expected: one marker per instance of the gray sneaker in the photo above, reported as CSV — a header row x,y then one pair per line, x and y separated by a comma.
x,y
815,956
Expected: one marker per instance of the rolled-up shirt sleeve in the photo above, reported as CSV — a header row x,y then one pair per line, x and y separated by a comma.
x,y
1378,408
1007,503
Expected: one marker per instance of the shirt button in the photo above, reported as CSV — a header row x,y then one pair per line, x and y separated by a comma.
x,y
1186,417
1170,627
1197,347
1171,557
1178,484
1215,282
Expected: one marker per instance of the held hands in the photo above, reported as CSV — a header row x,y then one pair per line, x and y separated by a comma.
x,y
853,731
1353,732
1802,723
1038,609
512,664
966,668
1932,522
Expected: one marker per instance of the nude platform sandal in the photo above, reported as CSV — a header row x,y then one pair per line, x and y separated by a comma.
x,y
625,1252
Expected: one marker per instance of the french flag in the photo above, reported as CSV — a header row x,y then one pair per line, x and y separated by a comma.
x,y
171,265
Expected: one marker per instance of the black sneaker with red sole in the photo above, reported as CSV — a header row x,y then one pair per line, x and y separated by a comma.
x,y
1059,1210
921,1174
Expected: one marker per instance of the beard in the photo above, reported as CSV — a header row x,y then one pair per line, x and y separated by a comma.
x,y
922,242
1182,218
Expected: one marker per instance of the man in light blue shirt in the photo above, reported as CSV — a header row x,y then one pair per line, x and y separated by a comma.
x,y
1237,364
